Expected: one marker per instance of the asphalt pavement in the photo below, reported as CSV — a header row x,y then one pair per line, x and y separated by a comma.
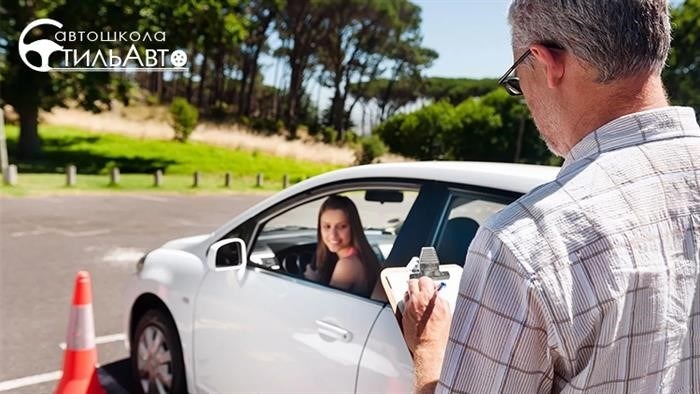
x,y
44,241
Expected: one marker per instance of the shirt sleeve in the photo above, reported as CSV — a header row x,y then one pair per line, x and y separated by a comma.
x,y
498,340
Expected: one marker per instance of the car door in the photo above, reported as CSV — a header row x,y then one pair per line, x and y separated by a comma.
x,y
263,329
446,217
265,332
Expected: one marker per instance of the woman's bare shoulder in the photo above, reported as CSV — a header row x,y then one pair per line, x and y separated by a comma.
x,y
350,264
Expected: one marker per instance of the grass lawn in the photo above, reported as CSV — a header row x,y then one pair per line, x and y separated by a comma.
x,y
95,154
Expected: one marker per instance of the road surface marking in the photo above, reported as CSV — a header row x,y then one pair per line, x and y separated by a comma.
x,y
148,198
101,340
123,255
55,375
40,230
30,380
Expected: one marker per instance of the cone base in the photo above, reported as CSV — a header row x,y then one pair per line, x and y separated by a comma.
x,y
90,385
79,373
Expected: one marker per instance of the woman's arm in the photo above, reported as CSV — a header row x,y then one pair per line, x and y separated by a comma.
x,y
311,274
348,273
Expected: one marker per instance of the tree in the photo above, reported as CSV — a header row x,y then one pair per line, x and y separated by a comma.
x,y
682,76
219,29
389,95
456,90
261,14
297,27
27,90
361,39
409,58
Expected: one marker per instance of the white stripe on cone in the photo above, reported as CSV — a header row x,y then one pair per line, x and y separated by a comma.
x,y
81,328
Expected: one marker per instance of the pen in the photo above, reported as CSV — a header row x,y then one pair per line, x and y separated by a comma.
x,y
442,285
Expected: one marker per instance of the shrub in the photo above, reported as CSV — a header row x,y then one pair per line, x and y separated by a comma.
x,y
493,127
108,166
152,100
330,135
264,125
350,137
219,112
421,134
368,149
183,118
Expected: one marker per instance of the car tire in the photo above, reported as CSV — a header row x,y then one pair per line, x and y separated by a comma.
x,y
156,355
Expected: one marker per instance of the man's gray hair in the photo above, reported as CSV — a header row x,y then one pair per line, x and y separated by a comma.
x,y
619,38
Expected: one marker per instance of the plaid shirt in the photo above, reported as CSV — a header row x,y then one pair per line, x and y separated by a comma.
x,y
590,282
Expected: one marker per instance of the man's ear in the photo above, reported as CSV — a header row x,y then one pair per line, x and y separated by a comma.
x,y
553,61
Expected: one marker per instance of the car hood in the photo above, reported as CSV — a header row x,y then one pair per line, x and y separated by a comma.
x,y
187,243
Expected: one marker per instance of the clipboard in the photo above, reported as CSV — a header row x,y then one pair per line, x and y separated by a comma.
x,y
395,284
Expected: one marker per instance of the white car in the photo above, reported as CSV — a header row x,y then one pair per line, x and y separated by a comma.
x,y
230,311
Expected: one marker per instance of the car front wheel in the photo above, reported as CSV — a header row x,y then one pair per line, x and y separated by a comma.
x,y
156,355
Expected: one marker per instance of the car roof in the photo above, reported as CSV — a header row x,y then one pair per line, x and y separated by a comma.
x,y
519,178
505,176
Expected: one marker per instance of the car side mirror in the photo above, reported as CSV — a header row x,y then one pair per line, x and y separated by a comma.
x,y
227,254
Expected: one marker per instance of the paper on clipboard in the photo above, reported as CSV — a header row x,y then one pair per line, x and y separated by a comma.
x,y
395,283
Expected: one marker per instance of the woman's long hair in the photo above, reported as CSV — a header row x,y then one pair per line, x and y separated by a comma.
x,y
326,260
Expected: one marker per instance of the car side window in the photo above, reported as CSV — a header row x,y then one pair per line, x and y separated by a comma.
x,y
287,242
466,212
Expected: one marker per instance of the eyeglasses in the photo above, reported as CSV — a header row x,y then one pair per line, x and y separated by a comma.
x,y
512,82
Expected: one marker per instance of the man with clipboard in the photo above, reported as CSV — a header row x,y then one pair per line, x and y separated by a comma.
x,y
590,282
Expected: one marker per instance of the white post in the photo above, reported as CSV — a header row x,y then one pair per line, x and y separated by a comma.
x,y
71,175
3,145
114,176
158,178
10,175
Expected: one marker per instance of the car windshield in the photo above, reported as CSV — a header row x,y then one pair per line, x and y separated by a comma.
x,y
289,227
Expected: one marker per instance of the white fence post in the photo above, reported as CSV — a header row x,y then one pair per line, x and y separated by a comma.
x,y
71,175
3,146
158,178
114,176
10,175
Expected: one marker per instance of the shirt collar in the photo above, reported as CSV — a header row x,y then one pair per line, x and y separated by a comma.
x,y
634,129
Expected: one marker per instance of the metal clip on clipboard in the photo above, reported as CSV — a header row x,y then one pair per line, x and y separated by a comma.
x,y
428,265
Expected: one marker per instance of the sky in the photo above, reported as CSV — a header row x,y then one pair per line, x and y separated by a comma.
x,y
472,37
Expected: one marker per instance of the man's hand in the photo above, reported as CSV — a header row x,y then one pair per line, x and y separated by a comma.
x,y
426,317
426,327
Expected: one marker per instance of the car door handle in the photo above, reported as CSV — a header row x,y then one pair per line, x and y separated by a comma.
x,y
332,331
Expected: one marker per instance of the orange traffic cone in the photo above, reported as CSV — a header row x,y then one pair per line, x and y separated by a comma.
x,y
80,356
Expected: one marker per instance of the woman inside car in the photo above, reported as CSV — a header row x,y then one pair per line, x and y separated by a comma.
x,y
344,258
